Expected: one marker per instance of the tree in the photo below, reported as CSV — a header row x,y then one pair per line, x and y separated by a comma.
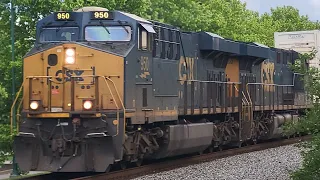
x,y
284,19
310,122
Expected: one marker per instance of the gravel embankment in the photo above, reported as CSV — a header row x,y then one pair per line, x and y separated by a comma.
x,y
275,163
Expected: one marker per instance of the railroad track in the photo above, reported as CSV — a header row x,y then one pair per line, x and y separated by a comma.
x,y
171,164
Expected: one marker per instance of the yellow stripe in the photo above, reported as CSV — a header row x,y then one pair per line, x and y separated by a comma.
x,y
50,115
61,115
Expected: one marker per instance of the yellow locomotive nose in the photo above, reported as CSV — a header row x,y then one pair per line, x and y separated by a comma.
x,y
73,78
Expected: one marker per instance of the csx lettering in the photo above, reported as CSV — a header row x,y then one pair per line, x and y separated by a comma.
x,y
186,69
70,73
144,66
144,63
101,15
267,75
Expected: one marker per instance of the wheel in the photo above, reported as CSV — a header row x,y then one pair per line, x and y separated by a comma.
x,y
123,165
138,162
254,141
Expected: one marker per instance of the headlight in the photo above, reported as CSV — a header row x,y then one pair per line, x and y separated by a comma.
x,y
70,56
34,105
70,52
87,105
70,60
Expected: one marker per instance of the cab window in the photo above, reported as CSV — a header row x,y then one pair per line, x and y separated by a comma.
x,y
55,34
108,33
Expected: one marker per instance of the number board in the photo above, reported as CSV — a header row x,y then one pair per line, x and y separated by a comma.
x,y
64,16
98,15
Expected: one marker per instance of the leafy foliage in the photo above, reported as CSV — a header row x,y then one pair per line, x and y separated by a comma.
x,y
228,18
310,122
310,168
5,143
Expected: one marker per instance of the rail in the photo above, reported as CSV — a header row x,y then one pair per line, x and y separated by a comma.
x,y
13,105
124,110
207,96
272,95
115,96
210,97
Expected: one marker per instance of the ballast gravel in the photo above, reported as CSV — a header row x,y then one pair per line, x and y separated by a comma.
x,y
276,163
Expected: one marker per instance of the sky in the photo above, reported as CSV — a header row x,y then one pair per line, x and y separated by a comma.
x,y
306,7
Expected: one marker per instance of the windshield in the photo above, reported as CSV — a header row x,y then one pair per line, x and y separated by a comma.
x,y
108,33
59,34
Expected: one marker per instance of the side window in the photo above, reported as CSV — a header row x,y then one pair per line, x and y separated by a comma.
x,y
144,40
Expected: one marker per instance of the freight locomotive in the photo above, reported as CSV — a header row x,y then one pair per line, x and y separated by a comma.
x,y
104,88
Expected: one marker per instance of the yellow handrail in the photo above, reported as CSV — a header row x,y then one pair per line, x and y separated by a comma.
x,y
115,87
106,79
13,104
247,85
116,91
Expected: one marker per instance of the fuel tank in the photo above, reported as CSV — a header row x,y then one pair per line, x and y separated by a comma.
x,y
185,139
276,125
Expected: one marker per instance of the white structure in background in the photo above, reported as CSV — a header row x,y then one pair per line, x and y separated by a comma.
x,y
300,41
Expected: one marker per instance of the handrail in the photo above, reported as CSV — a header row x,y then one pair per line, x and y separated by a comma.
x,y
279,85
122,104
275,85
16,99
106,79
243,95
116,106
115,87
13,105
220,82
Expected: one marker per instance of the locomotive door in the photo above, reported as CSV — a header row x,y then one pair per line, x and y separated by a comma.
x,y
54,90
232,73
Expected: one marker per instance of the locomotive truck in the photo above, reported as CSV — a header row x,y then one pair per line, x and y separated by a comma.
x,y
103,88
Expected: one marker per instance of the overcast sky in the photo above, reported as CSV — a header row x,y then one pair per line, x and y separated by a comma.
x,y
306,7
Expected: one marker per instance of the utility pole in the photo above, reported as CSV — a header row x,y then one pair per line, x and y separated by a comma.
x,y
15,171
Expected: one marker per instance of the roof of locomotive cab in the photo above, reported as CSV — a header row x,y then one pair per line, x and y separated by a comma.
x,y
213,42
82,17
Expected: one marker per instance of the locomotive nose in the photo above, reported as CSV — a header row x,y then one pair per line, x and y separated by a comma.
x,y
77,79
